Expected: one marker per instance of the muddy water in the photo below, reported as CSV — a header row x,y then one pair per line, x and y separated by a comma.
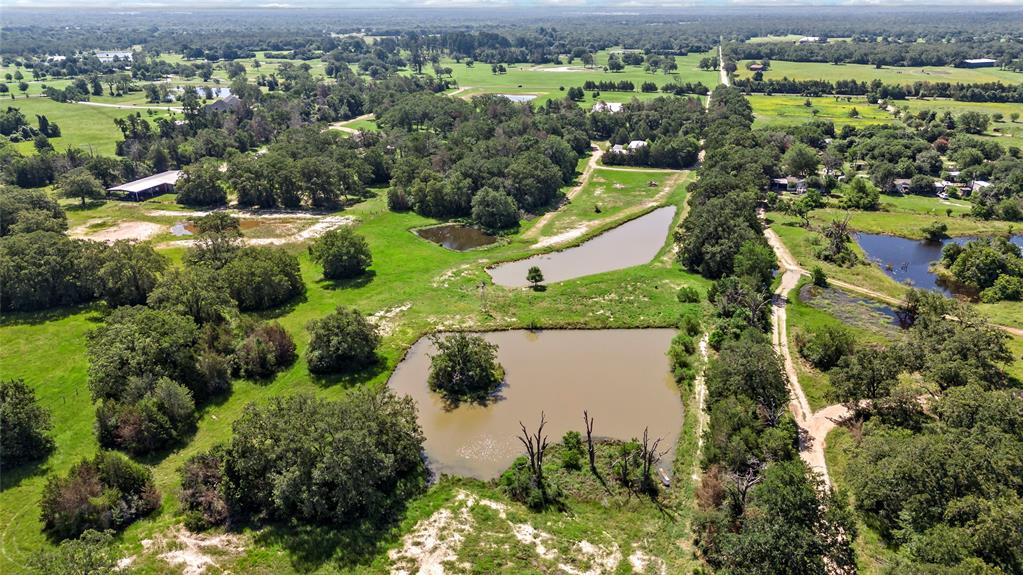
x,y
456,237
620,376
630,244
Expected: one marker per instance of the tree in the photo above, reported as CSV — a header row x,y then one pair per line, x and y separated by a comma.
x,y
265,350
859,195
24,425
494,210
138,342
819,278
749,367
756,262
935,231
218,239
973,122
800,160
342,252
824,345
79,183
867,374
525,481
201,184
534,276
108,491
341,341
325,462
23,211
127,271
44,269
196,292
262,277
465,368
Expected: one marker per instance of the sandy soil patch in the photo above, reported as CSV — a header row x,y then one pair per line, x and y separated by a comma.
x,y
643,563
193,552
563,237
385,320
322,226
132,230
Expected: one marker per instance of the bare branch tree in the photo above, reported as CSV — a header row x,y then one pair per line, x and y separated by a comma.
x,y
536,447
591,451
649,456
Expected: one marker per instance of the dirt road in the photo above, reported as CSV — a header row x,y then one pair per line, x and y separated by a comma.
x,y
584,178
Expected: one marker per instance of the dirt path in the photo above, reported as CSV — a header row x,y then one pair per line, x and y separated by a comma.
x,y
584,178
700,391
721,68
459,90
343,125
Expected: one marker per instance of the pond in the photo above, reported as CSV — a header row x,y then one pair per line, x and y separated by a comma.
x,y
853,310
633,243
906,260
519,97
620,376
456,236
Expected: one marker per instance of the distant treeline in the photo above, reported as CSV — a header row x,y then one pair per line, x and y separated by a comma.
x,y
871,51
987,92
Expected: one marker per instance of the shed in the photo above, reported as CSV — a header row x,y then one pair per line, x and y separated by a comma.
x,y
162,183
978,63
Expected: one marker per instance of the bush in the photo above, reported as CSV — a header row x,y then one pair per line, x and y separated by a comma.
x,y
262,277
398,200
465,368
127,272
108,491
153,414
202,496
935,231
266,350
90,554
688,294
1006,287
197,292
572,451
679,356
520,485
494,210
690,325
342,252
342,341
24,425
818,277
825,345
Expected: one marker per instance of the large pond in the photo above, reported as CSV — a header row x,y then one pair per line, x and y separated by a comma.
x,y
620,376
631,244
909,261
456,236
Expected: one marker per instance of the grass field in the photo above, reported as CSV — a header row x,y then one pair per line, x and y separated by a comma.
x,y
771,111
83,126
1007,133
439,285
887,74
546,80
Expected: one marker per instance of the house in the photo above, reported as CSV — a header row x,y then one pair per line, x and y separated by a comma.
x,y
789,184
941,185
756,67
227,104
976,186
901,185
608,107
107,57
618,149
637,144
162,183
811,40
978,63
953,176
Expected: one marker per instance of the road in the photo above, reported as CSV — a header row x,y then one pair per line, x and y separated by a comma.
x,y
721,68
129,106
344,128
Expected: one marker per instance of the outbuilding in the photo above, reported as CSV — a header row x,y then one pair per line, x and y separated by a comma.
x,y
978,63
162,183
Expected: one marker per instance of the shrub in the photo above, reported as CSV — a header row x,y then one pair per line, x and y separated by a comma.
x,y
679,356
465,368
197,292
127,272
935,231
494,210
520,484
688,294
689,324
398,200
202,496
819,278
266,350
24,425
262,277
108,491
342,252
825,345
90,554
572,451
342,341
1006,287
152,415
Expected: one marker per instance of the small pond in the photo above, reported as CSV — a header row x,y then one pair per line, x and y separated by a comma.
x,y
853,310
519,97
633,243
456,236
620,376
904,259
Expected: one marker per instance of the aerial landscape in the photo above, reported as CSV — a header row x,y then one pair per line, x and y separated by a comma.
x,y
583,288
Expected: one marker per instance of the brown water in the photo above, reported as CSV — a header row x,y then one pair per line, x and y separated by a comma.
x,y
456,237
631,244
621,376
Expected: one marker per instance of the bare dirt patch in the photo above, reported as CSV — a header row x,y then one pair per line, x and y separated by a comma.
x,y
132,230
194,552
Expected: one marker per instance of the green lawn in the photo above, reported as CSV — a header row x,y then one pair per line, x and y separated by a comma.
x,y
48,351
888,74
771,111
83,126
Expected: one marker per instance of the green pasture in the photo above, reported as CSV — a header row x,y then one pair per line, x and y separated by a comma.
x,y
1006,132
777,110
887,74
439,285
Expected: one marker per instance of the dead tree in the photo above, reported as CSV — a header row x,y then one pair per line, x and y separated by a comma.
x,y
536,447
649,456
742,485
591,451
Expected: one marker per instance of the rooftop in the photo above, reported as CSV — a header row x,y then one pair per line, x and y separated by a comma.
x,y
169,177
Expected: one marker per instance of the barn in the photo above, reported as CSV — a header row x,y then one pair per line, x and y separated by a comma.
x,y
162,183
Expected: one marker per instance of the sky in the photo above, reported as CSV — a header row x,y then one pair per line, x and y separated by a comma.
x,y
378,4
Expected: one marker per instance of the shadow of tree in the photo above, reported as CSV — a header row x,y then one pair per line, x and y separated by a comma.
x,y
8,319
13,476
362,280
353,377
310,547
